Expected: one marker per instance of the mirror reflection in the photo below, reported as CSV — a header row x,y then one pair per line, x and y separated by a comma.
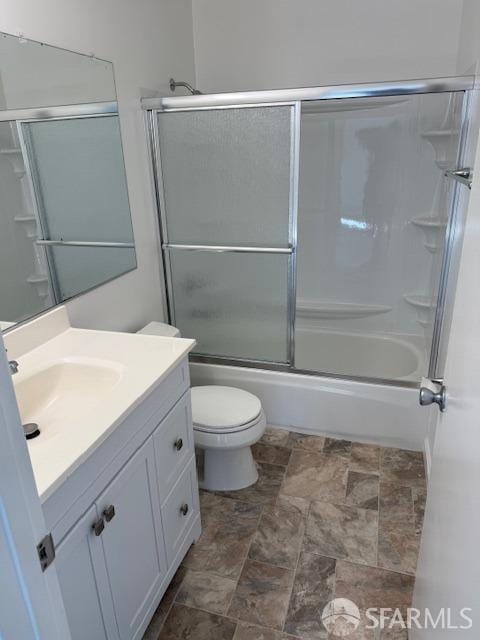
x,y
65,224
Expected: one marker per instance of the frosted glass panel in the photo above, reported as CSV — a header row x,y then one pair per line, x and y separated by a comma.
x,y
232,304
226,175
78,269
81,178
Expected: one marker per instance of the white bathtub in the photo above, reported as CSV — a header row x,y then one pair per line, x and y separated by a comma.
x,y
355,354
385,415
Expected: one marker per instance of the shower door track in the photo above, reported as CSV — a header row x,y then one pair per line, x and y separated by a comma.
x,y
294,98
329,92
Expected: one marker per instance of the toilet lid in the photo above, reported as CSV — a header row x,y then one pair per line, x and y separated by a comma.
x,y
216,407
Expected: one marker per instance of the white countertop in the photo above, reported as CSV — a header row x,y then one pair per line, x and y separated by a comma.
x,y
138,362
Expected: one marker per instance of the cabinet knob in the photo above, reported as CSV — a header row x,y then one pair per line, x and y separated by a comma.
x,y
184,509
98,526
178,444
109,512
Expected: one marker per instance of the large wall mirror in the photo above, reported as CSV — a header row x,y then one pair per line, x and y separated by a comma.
x,y
65,224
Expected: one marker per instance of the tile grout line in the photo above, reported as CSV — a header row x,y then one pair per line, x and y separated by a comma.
x,y
295,570
361,564
245,559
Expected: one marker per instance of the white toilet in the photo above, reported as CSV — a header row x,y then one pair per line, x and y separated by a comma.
x,y
226,422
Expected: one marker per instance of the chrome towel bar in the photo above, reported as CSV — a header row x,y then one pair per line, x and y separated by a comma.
x,y
227,248
85,243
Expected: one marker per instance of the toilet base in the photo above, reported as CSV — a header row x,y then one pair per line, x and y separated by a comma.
x,y
225,470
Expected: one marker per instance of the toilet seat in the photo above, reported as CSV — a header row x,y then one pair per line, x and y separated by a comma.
x,y
218,409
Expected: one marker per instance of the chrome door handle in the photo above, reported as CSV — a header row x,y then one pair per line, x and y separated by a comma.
x,y
428,397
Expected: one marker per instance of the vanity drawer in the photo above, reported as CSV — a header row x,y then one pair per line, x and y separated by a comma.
x,y
180,510
173,443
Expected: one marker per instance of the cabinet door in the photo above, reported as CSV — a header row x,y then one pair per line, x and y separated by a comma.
x,y
84,583
173,442
180,510
133,541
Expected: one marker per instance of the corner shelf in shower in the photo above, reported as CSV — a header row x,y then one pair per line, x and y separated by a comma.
x,y
319,310
432,228
41,284
15,154
440,140
423,305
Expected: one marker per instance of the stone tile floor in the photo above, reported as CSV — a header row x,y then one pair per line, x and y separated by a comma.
x,y
327,518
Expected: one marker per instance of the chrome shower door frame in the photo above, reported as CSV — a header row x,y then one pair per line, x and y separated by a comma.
x,y
291,250
295,98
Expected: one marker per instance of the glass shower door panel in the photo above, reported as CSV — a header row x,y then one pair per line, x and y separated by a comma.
x,y
374,205
80,177
234,305
226,175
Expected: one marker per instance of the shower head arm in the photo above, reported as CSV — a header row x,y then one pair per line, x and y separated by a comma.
x,y
174,84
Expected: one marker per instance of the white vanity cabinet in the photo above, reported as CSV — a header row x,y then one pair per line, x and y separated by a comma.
x,y
132,540
83,577
116,561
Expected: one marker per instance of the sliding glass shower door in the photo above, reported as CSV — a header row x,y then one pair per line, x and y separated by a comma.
x,y
228,227
315,229
374,210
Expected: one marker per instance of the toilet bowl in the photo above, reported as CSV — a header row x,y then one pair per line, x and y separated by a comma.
x,y
226,422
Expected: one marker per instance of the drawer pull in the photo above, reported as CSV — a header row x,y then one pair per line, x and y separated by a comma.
x,y
178,444
109,512
184,509
98,526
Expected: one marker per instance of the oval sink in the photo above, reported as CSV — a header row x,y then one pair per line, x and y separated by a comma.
x,y
62,392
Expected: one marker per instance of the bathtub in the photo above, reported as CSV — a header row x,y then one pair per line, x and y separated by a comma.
x,y
356,354
366,412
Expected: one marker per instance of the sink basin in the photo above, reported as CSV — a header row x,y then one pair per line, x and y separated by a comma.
x,y
63,392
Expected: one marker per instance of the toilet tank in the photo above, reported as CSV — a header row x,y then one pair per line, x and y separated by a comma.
x,y
160,329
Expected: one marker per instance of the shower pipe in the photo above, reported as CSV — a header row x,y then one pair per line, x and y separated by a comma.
x,y
174,84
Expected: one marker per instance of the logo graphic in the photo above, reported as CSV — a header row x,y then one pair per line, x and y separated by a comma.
x,y
341,617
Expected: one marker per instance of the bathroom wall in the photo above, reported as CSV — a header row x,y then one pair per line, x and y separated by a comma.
x,y
469,39
148,41
58,77
290,43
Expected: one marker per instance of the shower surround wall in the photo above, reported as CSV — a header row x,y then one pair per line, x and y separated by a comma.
x,y
373,211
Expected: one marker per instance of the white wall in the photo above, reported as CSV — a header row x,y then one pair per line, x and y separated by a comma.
x,y
148,41
34,75
252,44
469,37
